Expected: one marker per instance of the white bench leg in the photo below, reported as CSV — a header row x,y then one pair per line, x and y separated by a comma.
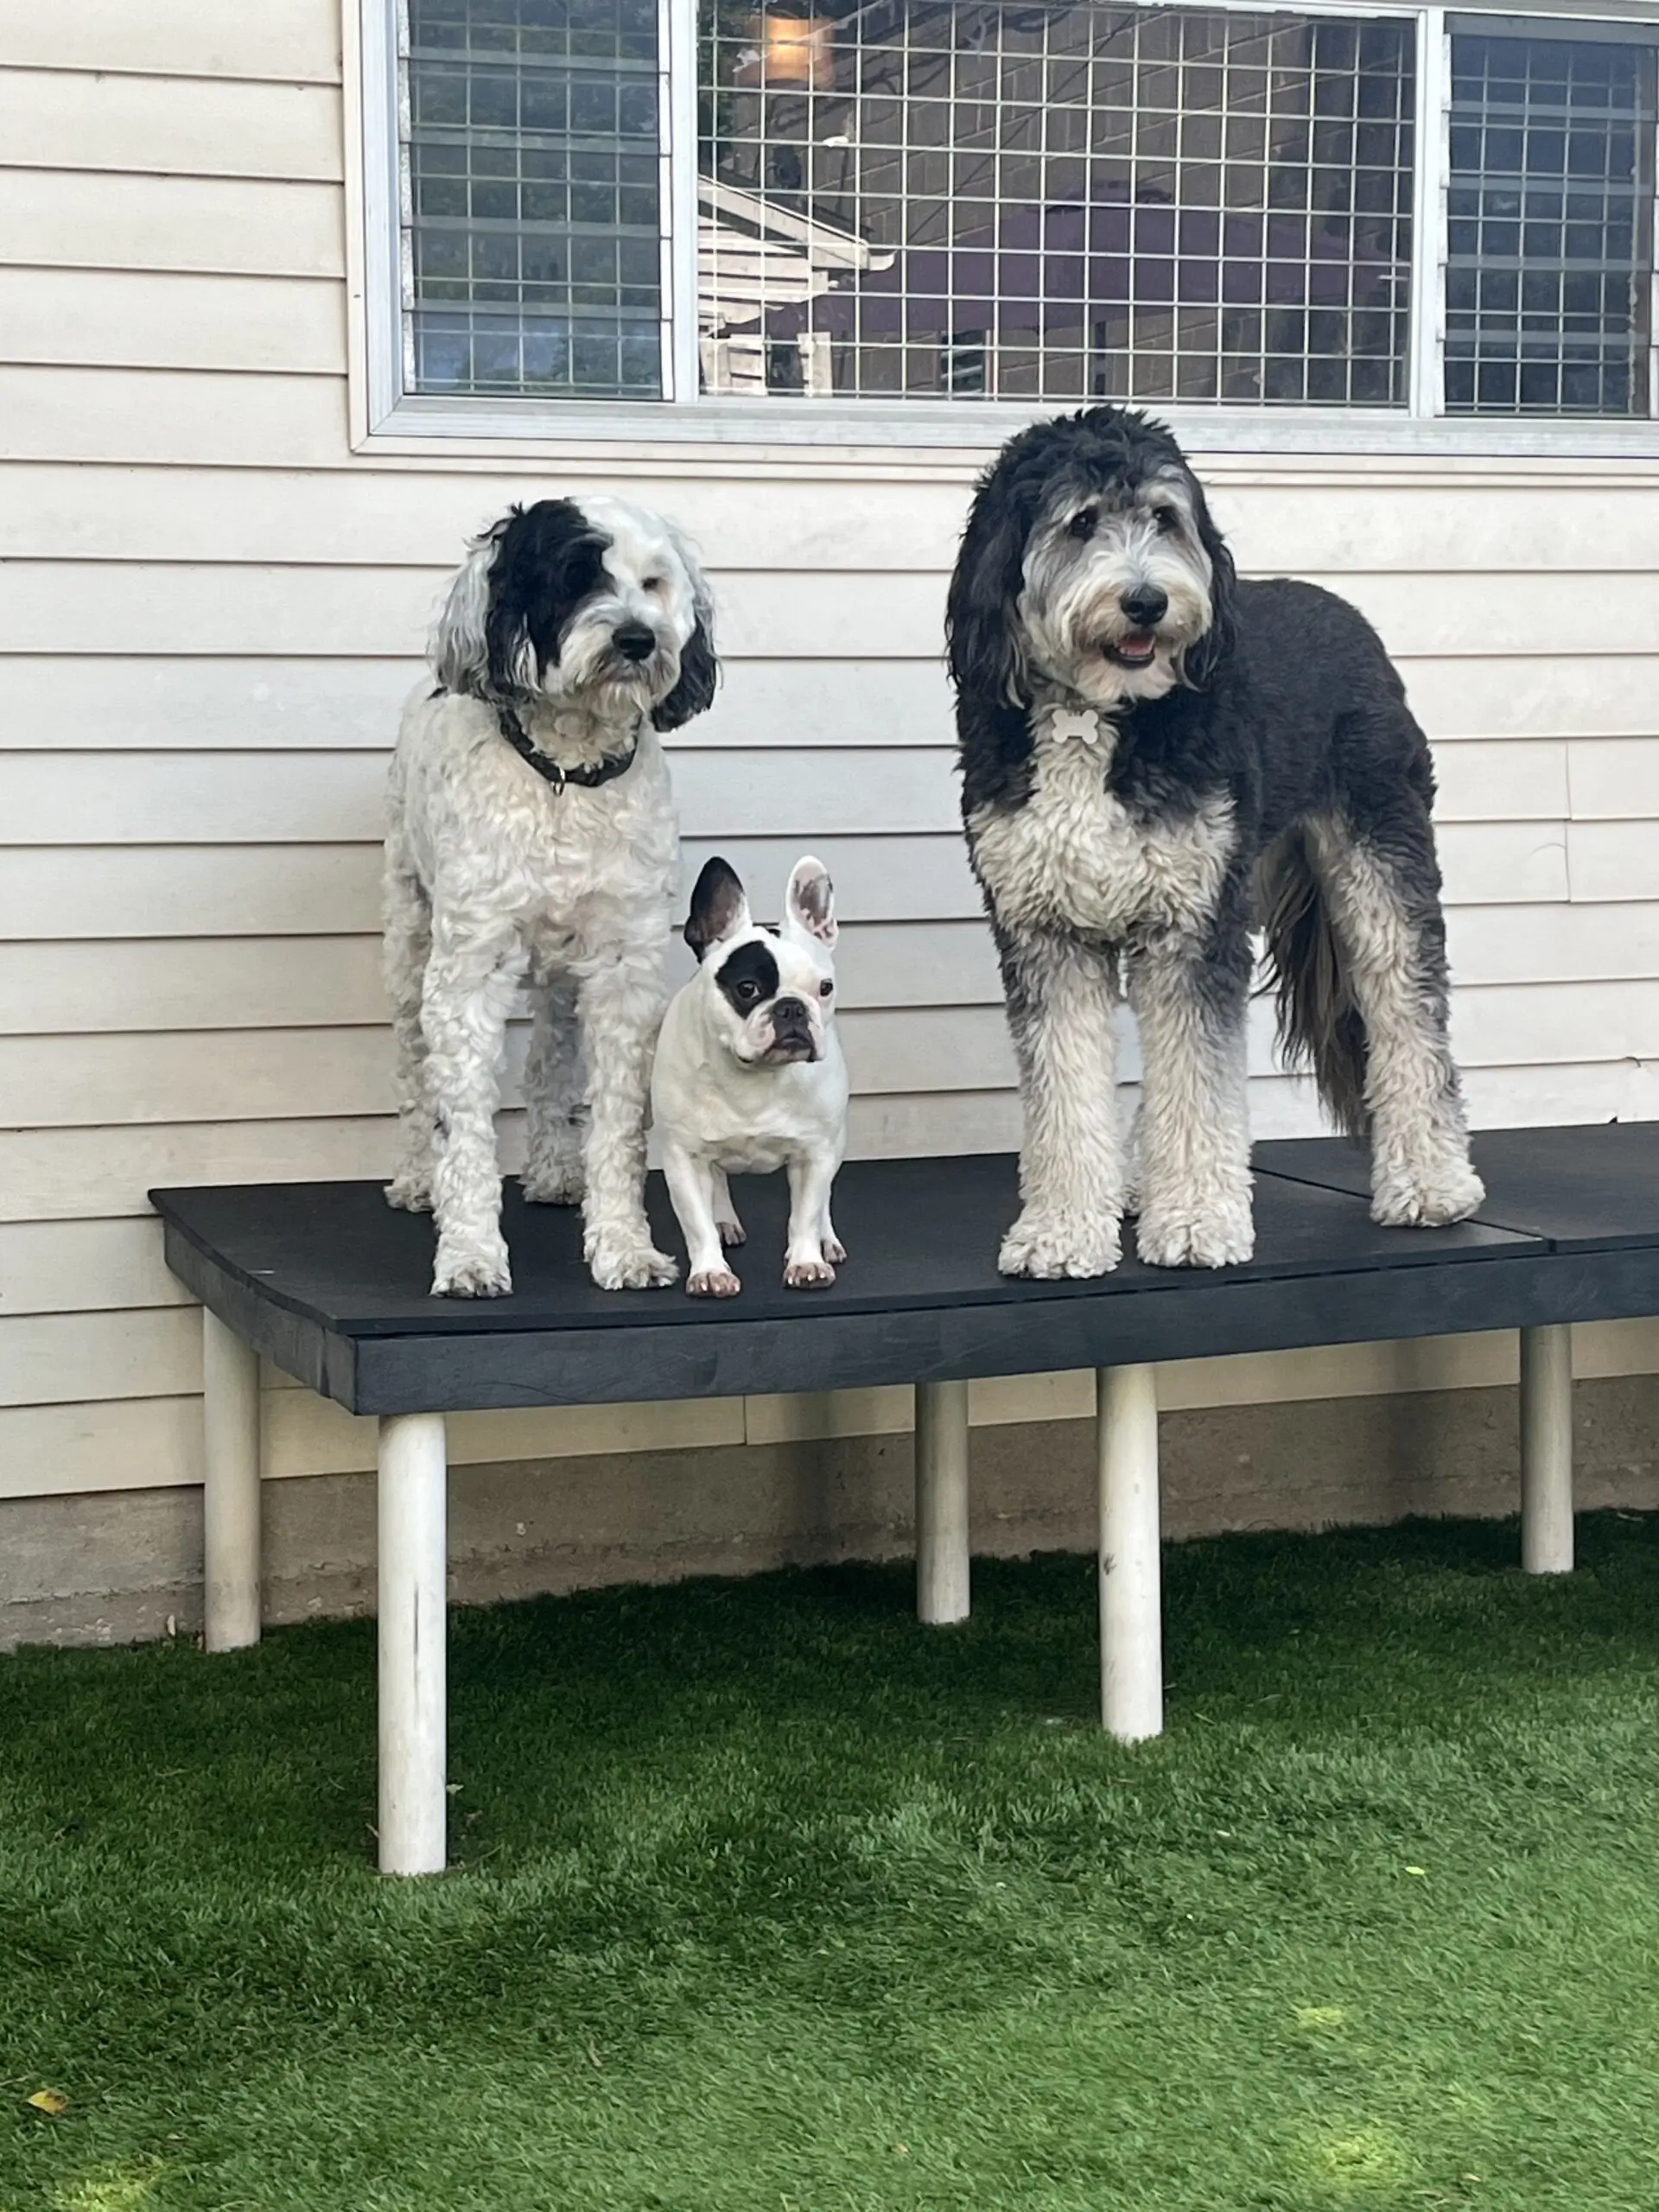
x,y
942,1557
1547,1449
1131,1606
230,1503
414,1562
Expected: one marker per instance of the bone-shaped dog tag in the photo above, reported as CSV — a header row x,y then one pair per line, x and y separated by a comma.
x,y
1081,723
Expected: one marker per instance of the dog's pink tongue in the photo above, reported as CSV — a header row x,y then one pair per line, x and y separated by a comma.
x,y
1138,643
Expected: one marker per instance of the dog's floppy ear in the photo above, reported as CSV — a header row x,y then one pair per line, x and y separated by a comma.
x,y
458,649
719,909
981,622
511,664
810,902
1206,655
699,669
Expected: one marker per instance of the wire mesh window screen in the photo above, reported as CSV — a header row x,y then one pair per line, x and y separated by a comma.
x,y
1550,242
908,199
532,212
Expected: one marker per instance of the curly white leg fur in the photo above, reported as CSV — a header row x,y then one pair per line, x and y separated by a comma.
x,y
405,948
1061,999
1193,1126
1130,1178
621,1004
1421,1177
1424,1196
1053,1247
556,1114
470,981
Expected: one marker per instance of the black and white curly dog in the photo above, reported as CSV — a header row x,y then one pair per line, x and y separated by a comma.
x,y
1156,758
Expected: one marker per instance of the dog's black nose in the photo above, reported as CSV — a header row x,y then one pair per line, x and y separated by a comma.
x,y
789,1013
635,640
1146,606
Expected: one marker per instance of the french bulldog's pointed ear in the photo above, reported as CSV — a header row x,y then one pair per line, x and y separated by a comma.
x,y
719,909
810,903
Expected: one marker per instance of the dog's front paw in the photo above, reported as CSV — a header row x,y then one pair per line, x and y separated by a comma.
x,y
1184,1236
834,1250
808,1275
732,1232
623,1262
471,1269
1050,1247
410,1194
558,1183
712,1282
1428,1198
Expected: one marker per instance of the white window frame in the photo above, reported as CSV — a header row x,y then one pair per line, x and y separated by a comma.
x,y
386,417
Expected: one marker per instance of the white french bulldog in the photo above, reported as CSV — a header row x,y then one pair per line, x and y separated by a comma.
x,y
749,1076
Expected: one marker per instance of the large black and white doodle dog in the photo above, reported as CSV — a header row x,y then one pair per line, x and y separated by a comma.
x,y
1156,758
531,838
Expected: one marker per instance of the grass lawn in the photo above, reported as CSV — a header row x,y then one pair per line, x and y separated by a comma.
x,y
769,1901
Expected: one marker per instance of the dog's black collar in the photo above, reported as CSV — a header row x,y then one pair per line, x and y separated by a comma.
x,y
590,777
600,772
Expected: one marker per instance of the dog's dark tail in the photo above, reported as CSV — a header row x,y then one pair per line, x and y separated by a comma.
x,y
1320,1026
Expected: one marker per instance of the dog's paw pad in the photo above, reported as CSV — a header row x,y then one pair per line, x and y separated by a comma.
x,y
808,1275
410,1194
732,1232
1429,1201
1166,1240
713,1282
834,1250
1054,1248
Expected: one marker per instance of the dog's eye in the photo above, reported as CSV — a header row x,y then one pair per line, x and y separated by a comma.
x,y
1082,523
748,991
824,990
656,584
1166,520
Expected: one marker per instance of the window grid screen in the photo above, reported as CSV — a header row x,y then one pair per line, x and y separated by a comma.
x,y
531,182
1550,240
1055,202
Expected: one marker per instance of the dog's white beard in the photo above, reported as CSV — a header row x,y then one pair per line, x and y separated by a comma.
x,y
1064,630
590,674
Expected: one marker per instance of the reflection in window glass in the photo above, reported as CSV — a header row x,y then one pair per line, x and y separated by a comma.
x,y
904,198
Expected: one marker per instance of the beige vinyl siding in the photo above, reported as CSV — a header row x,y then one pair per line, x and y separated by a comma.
x,y
289,41
122,318
212,608
65,119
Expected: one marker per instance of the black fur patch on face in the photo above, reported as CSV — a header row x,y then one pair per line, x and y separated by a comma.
x,y
749,978
548,558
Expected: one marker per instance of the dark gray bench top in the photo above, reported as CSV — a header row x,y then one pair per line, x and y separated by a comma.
x,y
1593,1189
328,1282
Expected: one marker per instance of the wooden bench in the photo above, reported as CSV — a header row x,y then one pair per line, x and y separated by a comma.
x,y
327,1282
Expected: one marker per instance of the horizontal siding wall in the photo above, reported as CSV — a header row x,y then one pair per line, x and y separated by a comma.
x,y
212,609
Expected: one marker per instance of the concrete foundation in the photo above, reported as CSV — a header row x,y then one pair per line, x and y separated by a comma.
x,y
122,1566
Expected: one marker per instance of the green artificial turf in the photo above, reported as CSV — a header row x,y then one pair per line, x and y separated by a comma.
x,y
768,1898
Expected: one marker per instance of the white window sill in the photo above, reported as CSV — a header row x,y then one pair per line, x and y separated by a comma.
x,y
919,430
